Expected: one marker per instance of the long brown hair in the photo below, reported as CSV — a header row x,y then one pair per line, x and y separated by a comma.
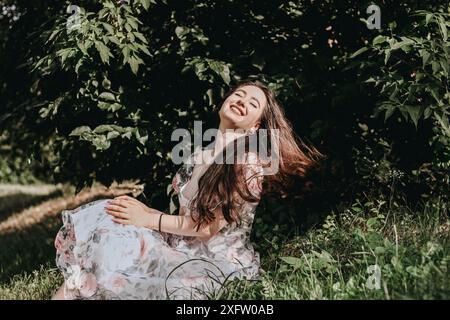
x,y
224,186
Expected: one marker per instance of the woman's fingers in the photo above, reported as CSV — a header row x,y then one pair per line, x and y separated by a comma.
x,y
117,214
128,198
112,207
121,221
124,197
119,202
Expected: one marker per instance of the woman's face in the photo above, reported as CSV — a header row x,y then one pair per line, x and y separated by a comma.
x,y
243,108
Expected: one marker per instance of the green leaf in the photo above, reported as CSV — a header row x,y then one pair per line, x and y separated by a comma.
x,y
106,83
143,140
425,56
108,27
131,37
443,28
395,261
126,54
108,96
435,66
387,53
103,105
443,121
140,36
112,134
293,261
402,44
427,113
379,39
134,64
221,69
360,51
109,107
225,74
63,54
434,93
145,4
127,8
103,128
144,49
104,52
88,44
103,12
78,65
133,23
82,48
54,33
181,31
389,112
115,107
445,66
114,40
372,222
101,143
414,113
428,18
127,135
80,130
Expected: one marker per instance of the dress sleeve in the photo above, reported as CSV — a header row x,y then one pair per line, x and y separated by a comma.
x,y
184,173
176,183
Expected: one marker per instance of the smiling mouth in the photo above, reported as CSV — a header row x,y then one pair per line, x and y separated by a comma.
x,y
236,110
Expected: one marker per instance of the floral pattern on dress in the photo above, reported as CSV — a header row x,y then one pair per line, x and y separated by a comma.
x,y
101,259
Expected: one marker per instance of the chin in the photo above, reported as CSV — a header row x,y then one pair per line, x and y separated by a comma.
x,y
229,116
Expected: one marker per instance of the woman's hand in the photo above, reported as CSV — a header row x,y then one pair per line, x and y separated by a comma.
x,y
128,198
127,210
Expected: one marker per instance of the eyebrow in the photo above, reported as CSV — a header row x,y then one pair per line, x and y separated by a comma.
x,y
245,92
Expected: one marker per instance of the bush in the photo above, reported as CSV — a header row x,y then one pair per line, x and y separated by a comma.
x,y
410,72
110,84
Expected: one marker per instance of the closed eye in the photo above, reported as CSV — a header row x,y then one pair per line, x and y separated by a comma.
x,y
241,93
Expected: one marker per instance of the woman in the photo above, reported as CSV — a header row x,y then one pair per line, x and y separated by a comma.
x,y
121,249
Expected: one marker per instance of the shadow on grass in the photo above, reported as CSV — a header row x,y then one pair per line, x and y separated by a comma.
x,y
27,249
13,203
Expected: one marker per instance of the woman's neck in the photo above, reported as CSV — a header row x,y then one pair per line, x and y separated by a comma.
x,y
225,136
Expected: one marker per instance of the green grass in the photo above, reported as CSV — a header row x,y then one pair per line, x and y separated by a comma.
x,y
331,261
28,249
39,284
411,251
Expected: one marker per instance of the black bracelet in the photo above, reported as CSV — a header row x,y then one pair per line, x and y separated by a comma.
x,y
160,218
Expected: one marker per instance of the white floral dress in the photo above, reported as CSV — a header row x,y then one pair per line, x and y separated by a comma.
x,y
101,259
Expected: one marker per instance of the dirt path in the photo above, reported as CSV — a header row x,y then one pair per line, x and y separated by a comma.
x,y
53,207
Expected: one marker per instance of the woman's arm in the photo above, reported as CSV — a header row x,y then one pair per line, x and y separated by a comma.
x,y
184,224
127,210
